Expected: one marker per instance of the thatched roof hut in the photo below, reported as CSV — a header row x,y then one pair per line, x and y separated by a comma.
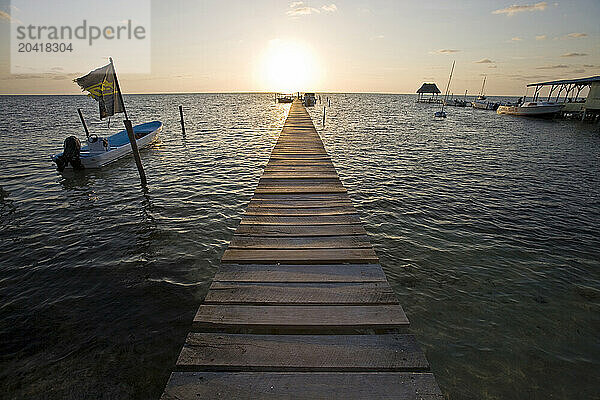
x,y
428,93
429,88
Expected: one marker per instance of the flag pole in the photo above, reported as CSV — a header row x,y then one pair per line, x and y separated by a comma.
x,y
118,88
130,133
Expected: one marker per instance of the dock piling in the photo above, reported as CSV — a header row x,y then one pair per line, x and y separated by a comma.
x,y
136,152
181,117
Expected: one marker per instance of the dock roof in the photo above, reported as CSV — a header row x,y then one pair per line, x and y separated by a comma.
x,y
429,88
568,81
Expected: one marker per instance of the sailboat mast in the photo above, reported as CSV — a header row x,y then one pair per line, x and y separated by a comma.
x,y
482,86
448,86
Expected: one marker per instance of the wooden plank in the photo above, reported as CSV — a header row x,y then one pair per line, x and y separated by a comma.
x,y
301,230
300,256
300,189
301,293
298,204
279,243
302,197
302,386
300,273
290,211
300,317
300,220
299,175
216,351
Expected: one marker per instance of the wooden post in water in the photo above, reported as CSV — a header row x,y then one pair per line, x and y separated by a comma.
x,y
328,102
87,132
136,152
130,133
323,116
182,123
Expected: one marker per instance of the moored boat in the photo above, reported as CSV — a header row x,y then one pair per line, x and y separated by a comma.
x,y
309,99
531,109
285,98
103,86
101,151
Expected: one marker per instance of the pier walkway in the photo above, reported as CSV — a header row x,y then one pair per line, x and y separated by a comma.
x,y
300,307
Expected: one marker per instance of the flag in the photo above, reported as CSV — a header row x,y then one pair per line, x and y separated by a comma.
x,y
100,83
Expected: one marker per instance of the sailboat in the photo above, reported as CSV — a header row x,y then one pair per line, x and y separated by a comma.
x,y
441,113
481,102
103,86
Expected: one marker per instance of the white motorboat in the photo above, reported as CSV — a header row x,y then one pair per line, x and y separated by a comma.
x,y
531,109
103,86
101,151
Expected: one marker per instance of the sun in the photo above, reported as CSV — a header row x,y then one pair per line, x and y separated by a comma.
x,y
288,66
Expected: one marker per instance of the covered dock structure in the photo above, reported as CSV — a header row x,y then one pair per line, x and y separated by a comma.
x,y
428,93
567,91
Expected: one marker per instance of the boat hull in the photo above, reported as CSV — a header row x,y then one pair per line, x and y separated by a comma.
x,y
539,111
122,148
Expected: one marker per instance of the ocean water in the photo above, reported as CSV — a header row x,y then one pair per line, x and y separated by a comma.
x,y
487,226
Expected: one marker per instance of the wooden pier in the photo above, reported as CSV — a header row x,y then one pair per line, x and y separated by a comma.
x,y
300,308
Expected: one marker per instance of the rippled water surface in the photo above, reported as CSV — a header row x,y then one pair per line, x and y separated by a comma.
x,y
487,226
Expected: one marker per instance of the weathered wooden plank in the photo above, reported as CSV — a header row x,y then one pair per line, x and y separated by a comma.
x,y
302,386
300,273
300,317
301,230
300,220
289,211
216,351
299,175
301,196
301,293
300,256
300,189
298,204
301,242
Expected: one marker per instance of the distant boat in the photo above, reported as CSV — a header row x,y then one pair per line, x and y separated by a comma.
x,y
441,113
532,109
102,151
482,103
309,99
285,98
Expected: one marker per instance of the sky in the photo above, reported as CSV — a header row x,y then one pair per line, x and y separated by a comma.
x,y
347,46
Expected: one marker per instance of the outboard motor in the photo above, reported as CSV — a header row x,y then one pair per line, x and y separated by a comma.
x,y
70,154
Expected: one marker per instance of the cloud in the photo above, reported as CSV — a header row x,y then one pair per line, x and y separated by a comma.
x,y
300,11
558,66
590,65
4,16
447,51
378,37
331,8
296,4
579,71
514,9
484,61
574,55
492,66
576,35
516,39
541,37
